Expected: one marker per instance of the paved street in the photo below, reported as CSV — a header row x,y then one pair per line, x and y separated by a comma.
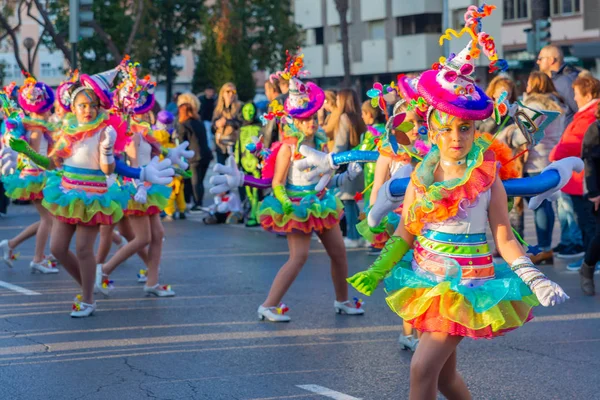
x,y
207,343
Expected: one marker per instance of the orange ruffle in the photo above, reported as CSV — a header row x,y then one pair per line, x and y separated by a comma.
x,y
504,154
481,179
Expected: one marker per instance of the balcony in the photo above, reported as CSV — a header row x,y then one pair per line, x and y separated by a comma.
x,y
371,10
308,13
401,8
374,58
335,64
313,61
415,52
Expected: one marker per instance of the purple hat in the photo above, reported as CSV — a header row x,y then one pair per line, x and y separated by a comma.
x,y
165,117
35,97
304,100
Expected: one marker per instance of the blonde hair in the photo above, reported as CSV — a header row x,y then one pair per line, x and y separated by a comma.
x,y
190,105
235,105
507,82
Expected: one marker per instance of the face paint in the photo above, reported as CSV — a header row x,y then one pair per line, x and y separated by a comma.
x,y
439,120
248,112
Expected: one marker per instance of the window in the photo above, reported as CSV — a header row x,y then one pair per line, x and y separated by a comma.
x,y
336,34
516,9
458,19
417,24
319,36
376,30
566,7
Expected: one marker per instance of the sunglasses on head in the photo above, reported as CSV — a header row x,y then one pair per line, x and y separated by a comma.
x,y
466,69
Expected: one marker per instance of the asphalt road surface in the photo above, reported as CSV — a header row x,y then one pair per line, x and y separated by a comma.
x,y
207,342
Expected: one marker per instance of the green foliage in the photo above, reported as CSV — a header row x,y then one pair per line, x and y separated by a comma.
x,y
242,36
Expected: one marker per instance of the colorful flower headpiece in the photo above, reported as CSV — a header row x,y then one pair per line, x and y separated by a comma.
x,y
136,95
62,92
34,96
304,99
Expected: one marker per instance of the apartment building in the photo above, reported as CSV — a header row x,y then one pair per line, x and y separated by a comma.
x,y
387,37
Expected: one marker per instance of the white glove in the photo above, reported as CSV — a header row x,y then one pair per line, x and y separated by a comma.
x,y
141,195
179,154
548,293
565,169
385,202
157,172
8,160
354,170
230,177
321,164
107,144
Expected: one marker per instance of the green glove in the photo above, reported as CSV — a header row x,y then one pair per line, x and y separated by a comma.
x,y
281,195
21,146
366,281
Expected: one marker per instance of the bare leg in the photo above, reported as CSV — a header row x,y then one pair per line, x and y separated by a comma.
x,y
450,383
407,328
59,247
25,234
155,249
84,246
141,227
106,232
334,245
127,232
299,244
427,363
43,231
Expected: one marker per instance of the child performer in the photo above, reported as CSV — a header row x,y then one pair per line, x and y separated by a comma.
x,y
453,290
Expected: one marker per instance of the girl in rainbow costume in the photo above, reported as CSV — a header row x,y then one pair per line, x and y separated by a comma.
x,y
451,288
298,205
135,98
27,184
79,198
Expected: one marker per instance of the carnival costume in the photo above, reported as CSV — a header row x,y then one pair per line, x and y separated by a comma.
x,y
249,135
452,285
297,206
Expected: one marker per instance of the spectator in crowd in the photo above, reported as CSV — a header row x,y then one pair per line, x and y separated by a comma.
x,y
590,153
541,95
500,83
272,89
207,108
226,120
587,92
348,127
551,62
172,105
326,110
190,128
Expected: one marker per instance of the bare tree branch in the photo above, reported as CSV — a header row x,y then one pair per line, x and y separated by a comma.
x,y
13,38
112,48
136,24
58,40
37,47
29,14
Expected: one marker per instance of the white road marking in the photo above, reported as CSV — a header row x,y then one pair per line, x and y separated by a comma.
x,y
323,391
18,289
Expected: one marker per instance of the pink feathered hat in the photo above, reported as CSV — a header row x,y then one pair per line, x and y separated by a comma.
x,y
304,100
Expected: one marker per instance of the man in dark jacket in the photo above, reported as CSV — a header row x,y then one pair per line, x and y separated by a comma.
x,y
551,62
207,106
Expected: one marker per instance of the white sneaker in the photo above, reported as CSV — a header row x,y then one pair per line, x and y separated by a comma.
x,y
142,276
408,342
45,267
82,310
159,291
102,283
348,307
352,244
273,314
6,256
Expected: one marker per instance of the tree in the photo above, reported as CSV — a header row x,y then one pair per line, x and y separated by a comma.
x,y
342,9
38,12
2,73
232,27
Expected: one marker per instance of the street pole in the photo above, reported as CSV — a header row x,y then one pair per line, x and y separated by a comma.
x,y
29,43
445,25
73,31
169,66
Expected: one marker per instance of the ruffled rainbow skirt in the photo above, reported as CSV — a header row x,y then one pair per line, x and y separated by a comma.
x,y
453,304
81,196
313,212
26,185
156,200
